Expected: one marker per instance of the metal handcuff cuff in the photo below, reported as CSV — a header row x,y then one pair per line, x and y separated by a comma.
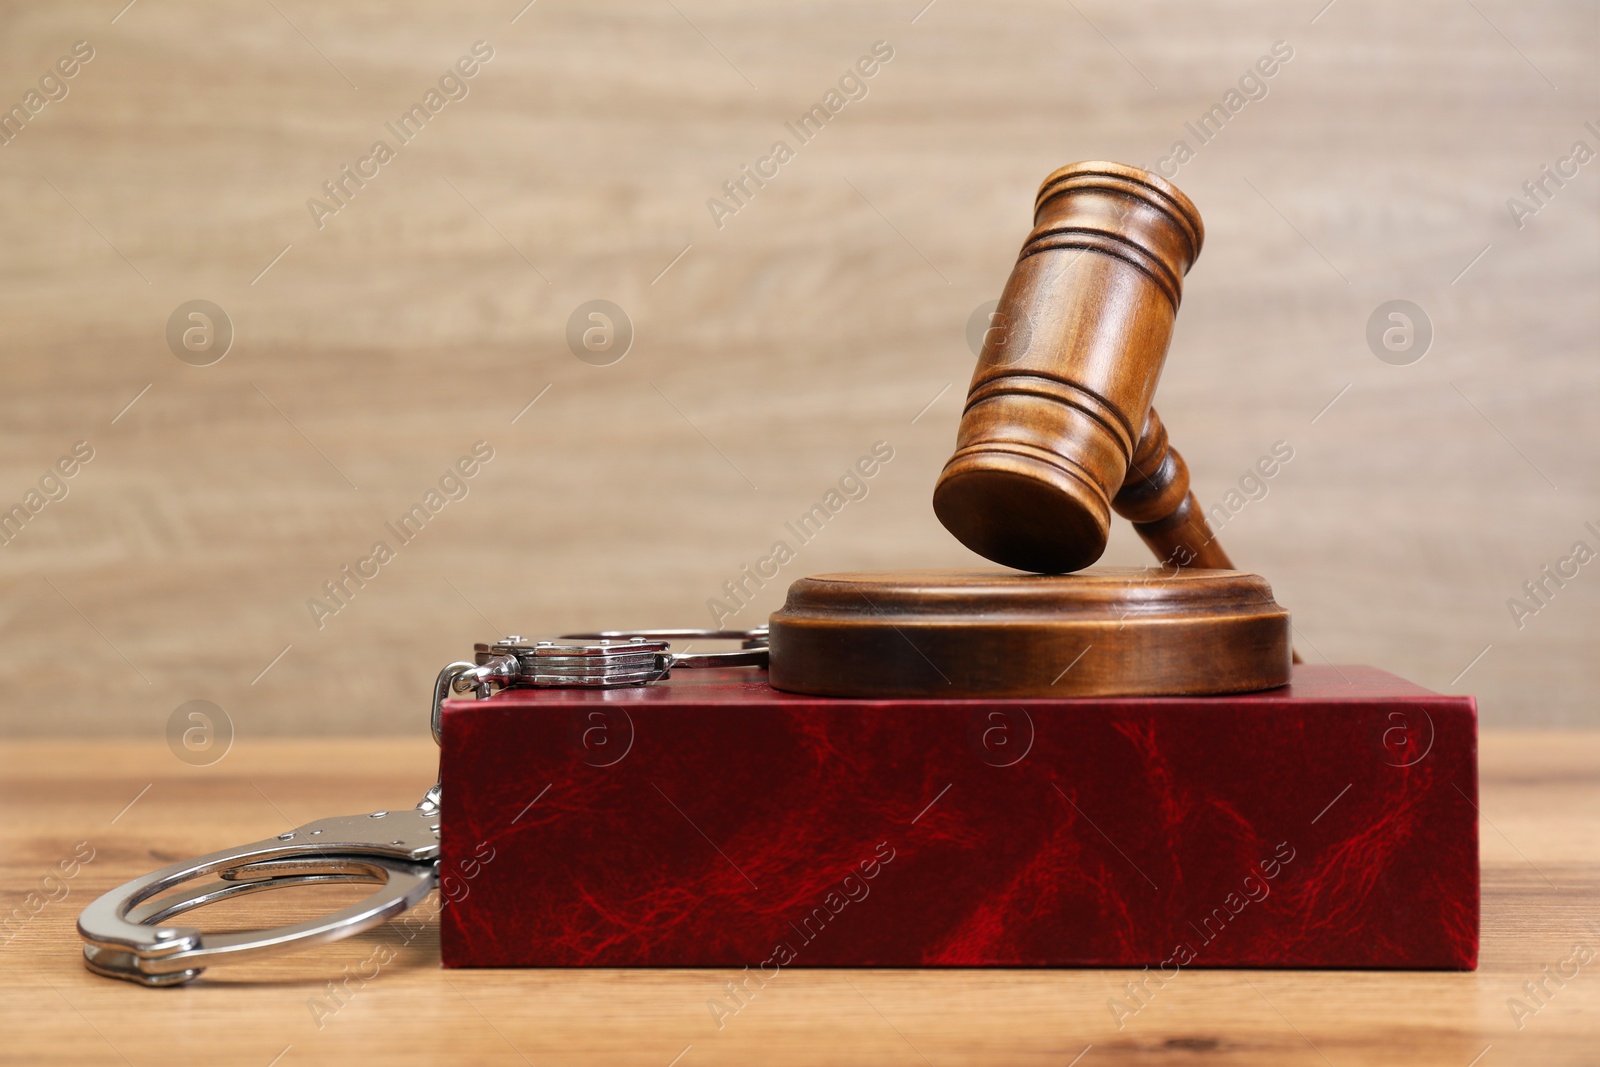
x,y
127,932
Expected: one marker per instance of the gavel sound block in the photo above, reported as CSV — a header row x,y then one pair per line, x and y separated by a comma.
x,y
1112,632
1058,432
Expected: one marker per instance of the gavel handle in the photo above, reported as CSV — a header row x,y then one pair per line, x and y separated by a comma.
x,y
1155,497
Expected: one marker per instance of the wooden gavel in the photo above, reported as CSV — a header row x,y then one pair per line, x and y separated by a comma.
x,y
1058,429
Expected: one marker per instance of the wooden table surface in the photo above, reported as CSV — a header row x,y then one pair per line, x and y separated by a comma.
x,y
138,808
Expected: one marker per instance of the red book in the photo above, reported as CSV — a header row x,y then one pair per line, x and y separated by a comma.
x,y
714,821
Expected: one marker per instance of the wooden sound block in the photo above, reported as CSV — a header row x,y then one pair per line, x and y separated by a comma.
x,y
1115,631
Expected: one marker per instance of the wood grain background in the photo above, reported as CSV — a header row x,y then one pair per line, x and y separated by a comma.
x,y
829,313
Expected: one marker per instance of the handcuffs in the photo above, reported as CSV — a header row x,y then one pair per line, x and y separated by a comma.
x,y
127,933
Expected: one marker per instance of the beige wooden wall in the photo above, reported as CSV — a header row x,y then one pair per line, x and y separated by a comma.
x,y
822,317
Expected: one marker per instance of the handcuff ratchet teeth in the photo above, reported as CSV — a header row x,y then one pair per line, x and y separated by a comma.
x,y
128,934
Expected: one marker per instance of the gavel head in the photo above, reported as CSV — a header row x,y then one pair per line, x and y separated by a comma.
x,y
1068,368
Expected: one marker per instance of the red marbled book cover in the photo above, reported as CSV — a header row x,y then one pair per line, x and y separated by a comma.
x,y
714,821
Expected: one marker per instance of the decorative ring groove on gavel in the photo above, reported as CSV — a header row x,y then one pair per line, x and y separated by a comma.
x,y
1058,429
